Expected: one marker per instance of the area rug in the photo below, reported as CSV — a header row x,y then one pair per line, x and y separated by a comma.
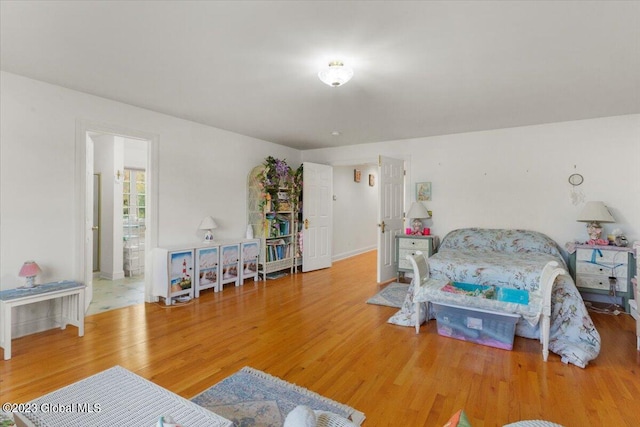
x,y
252,398
392,295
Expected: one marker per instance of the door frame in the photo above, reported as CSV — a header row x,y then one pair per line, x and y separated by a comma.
x,y
374,160
82,261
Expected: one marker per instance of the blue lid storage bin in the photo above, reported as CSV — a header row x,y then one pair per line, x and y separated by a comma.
x,y
484,327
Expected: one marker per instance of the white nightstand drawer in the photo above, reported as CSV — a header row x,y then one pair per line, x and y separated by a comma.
x,y
402,256
604,256
600,282
602,269
415,244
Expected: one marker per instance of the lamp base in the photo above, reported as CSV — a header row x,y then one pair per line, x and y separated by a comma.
x,y
29,282
416,226
594,229
208,237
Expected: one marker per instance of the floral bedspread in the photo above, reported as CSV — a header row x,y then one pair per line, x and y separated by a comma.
x,y
514,259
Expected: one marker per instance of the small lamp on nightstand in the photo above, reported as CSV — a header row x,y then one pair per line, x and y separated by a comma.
x,y
29,270
418,212
208,223
593,214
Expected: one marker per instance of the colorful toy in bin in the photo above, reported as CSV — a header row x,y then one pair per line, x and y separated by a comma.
x,y
517,296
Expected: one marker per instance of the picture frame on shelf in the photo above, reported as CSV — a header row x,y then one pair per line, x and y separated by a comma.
x,y
423,191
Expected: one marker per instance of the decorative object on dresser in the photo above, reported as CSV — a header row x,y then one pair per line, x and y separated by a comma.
x,y
418,212
603,273
30,270
208,224
593,214
409,245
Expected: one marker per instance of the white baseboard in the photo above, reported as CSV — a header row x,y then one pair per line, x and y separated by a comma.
x,y
353,253
115,275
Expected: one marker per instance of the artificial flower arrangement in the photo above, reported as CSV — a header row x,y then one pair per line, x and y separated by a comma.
x,y
277,176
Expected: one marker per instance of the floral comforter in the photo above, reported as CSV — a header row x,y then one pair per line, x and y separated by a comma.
x,y
514,259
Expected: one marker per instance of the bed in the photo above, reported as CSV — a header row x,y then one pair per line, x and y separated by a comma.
x,y
513,259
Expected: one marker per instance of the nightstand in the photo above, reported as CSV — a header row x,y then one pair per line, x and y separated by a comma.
x,y
603,273
407,244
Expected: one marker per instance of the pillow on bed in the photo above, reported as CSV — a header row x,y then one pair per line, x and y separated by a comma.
x,y
499,240
459,419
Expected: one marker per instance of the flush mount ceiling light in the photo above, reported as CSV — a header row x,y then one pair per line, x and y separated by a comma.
x,y
336,74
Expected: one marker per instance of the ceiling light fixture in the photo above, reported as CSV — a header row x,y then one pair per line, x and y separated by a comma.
x,y
336,74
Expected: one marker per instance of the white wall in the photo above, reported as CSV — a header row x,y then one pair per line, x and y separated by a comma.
x,y
135,153
202,171
355,210
517,177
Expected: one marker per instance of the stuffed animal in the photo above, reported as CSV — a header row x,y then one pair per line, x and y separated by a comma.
x,y
301,416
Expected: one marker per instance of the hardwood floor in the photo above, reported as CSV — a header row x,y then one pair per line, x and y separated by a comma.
x,y
316,330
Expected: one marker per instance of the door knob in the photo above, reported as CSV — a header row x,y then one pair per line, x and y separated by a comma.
x,y
94,228
306,224
382,226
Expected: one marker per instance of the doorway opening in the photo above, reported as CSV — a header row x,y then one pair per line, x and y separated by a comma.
x,y
117,210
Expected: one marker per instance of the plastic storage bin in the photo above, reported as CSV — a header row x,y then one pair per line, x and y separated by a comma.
x,y
484,327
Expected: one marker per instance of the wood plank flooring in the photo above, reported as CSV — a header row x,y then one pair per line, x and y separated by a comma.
x,y
316,330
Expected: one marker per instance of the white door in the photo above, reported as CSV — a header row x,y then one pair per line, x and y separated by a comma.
x,y
88,221
317,216
391,198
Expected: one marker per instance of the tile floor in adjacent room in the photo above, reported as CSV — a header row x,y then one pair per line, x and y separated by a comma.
x,y
111,294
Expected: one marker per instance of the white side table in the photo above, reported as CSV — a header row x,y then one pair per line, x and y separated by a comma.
x,y
72,294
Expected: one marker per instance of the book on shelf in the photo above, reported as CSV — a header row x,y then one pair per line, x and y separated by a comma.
x,y
277,225
277,250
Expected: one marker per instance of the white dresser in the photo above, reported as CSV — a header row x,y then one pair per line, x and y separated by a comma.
x,y
604,273
407,244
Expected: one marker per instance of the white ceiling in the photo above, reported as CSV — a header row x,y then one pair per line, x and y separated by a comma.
x,y
421,68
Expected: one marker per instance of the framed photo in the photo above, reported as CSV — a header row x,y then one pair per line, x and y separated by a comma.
x,y
372,180
356,175
423,191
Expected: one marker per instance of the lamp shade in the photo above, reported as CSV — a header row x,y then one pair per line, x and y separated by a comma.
x,y
29,269
595,212
418,210
208,223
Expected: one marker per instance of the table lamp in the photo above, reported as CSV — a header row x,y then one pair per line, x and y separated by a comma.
x,y
593,214
418,212
208,223
29,270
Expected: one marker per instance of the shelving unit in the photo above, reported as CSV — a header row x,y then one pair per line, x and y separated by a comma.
x,y
275,229
133,247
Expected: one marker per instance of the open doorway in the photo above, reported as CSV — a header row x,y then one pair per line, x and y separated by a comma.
x,y
119,220
117,156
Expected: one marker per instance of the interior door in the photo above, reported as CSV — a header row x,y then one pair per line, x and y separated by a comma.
x,y
317,216
96,222
391,198
88,220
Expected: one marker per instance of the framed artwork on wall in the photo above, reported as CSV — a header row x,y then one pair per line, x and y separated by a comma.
x,y
356,175
423,191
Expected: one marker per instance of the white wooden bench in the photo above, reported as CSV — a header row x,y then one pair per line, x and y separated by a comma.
x,y
427,289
